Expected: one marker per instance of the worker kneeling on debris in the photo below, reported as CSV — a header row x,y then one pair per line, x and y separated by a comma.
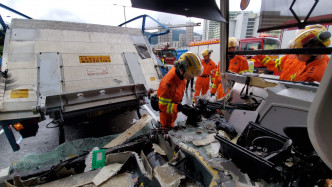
x,y
171,89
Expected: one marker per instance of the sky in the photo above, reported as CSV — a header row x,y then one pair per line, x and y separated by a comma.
x,y
103,12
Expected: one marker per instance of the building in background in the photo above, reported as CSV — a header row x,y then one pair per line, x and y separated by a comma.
x,y
242,24
246,25
166,38
197,38
182,40
209,29
189,34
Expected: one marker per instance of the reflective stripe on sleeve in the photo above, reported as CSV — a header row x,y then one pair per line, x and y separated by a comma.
x,y
278,64
164,101
266,60
292,77
214,86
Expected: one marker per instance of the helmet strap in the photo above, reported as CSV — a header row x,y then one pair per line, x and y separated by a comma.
x,y
231,57
312,58
178,73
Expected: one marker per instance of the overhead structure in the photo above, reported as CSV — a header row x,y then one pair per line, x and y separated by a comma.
x,y
300,13
4,26
143,25
175,26
189,8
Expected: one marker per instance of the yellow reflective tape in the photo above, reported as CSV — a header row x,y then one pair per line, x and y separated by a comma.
x,y
277,66
293,76
266,60
163,103
243,71
170,107
164,100
214,86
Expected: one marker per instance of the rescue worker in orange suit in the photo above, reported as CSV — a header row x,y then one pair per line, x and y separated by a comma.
x,y
203,82
213,76
302,67
172,86
237,64
288,65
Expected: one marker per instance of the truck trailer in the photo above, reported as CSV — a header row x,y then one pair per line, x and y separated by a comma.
x,y
67,70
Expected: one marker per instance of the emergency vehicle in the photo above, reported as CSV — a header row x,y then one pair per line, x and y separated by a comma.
x,y
264,42
253,43
167,55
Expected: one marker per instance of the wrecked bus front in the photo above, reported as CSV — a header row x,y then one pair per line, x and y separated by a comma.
x,y
70,69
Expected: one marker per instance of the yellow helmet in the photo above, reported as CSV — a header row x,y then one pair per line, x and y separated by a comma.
x,y
232,42
190,63
317,26
206,52
312,36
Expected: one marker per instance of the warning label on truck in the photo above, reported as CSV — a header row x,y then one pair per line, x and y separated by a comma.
x,y
100,70
20,93
94,59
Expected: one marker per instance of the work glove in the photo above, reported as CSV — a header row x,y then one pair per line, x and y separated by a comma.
x,y
188,110
212,98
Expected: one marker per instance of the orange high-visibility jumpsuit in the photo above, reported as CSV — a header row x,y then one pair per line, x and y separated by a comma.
x,y
170,93
217,86
213,76
203,82
289,65
238,64
313,71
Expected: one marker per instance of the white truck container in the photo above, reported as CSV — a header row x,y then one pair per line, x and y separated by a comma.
x,y
73,68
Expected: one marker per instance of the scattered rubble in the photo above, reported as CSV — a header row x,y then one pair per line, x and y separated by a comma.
x,y
186,158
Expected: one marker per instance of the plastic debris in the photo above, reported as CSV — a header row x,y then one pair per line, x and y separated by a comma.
x,y
209,139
